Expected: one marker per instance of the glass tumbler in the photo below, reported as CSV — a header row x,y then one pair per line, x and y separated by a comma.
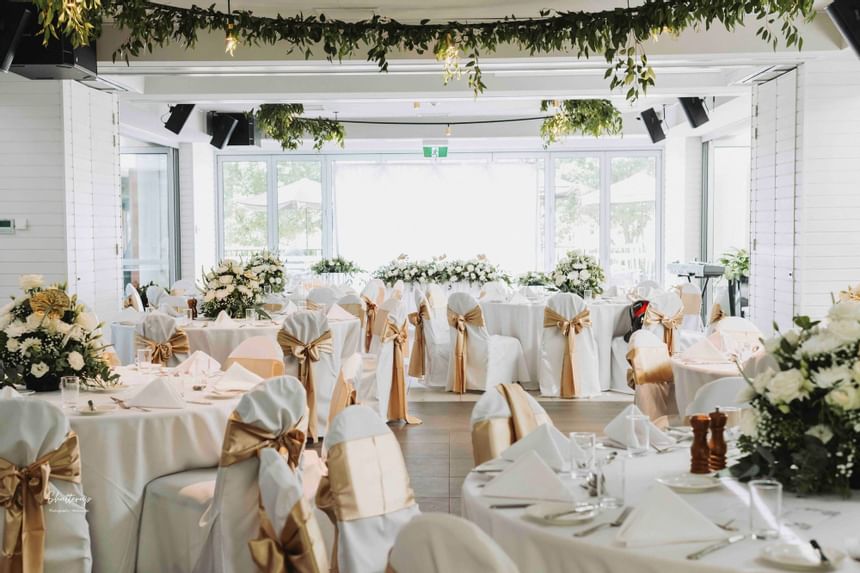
x,y
70,390
765,508
582,447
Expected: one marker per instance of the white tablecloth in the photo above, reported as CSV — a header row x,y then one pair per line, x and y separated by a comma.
x,y
123,450
550,549
525,323
690,376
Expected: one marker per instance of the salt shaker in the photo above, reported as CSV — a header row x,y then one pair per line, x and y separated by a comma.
x,y
717,444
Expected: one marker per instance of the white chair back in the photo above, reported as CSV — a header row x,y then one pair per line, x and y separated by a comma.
x,y
477,343
669,305
495,291
133,298
154,294
375,291
397,290
493,405
258,347
691,303
183,286
554,346
436,341
375,388
654,397
173,305
437,296
647,289
159,327
323,296
720,393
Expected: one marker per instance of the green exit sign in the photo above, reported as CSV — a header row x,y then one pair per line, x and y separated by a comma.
x,y
435,151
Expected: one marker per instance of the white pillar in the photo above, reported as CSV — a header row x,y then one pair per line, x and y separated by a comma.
x,y
197,219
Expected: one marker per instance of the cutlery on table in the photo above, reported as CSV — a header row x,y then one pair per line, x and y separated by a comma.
x,y
578,509
200,402
818,548
711,548
727,526
599,526
121,403
511,505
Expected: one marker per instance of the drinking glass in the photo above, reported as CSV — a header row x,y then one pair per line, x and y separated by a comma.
x,y
143,359
189,315
251,314
611,478
70,390
639,431
765,508
589,294
582,446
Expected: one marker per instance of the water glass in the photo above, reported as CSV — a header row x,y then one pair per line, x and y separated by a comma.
x,y
582,445
765,508
589,294
143,359
611,479
639,430
251,314
70,389
189,315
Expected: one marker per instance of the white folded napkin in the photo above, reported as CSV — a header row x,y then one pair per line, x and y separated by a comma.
x,y
336,312
8,392
546,441
517,298
237,377
223,319
198,364
704,351
662,517
160,393
129,314
620,430
528,478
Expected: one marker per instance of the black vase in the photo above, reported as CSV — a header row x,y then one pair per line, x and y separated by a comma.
x,y
47,383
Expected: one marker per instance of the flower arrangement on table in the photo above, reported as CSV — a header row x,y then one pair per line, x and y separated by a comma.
x,y
269,269
804,425
737,265
440,270
534,278
46,334
337,265
577,273
233,288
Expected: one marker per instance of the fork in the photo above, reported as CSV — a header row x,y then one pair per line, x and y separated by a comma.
x,y
121,403
617,523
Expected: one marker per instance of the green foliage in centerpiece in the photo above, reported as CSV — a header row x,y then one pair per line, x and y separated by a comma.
x,y
335,265
588,116
534,278
269,269
440,270
231,287
577,273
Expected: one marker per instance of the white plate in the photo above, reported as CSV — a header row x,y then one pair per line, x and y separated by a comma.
x,y
84,410
690,483
538,512
800,557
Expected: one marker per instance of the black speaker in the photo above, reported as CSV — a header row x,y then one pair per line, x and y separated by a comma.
x,y
246,132
178,116
652,124
694,109
16,18
220,126
846,15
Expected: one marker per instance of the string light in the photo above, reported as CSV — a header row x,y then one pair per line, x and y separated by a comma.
x,y
448,131
231,42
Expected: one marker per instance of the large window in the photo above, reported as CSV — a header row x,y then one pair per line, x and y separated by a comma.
x,y
728,198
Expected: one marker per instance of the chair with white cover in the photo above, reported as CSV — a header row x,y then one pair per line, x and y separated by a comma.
x,y
183,286
663,318
479,360
691,304
720,393
647,289
373,296
132,298
160,333
495,291
740,333
174,305
262,355
437,297
441,543
721,307
397,290
651,375
40,460
367,493
321,298
569,363
431,347
308,346
353,304
154,294
203,519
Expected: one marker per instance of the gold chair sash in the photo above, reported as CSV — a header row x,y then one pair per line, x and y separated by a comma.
x,y
475,317
691,302
299,548
356,310
492,436
669,323
398,407
311,305
417,361
128,302
306,353
569,329
370,312
342,397
162,351
522,415
243,441
273,306
649,364
263,367
717,313
23,493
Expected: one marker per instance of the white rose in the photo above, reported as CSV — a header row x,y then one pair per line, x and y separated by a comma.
x,y
76,361
792,337
845,397
771,345
572,276
39,369
209,296
470,268
12,345
829,377
845,310
584,275
845,330
749,422
559,280
28,282
16,329
822,432
786,386
88,321
229,289
226,279
821,343
221,294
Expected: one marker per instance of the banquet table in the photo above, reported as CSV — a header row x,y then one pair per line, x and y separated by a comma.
x,y
524,321
549,549
123,450
690,376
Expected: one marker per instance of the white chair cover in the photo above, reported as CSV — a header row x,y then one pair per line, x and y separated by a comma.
x,y
437,349
183,286
491,360
739,332
691,299
720,393
668,304
495,291
349,300
159,327
323,296
202,520
134,297
363,544
154,294
554,347
441,543
721,306
31,429
375,291
258,354
397,290
494,405
173,305
374,386
647,289
438,298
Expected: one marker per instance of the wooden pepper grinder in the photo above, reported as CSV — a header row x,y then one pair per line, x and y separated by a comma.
x,y
192,304
699,451
717,445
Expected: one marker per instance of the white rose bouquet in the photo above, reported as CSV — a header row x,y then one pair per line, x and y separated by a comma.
x,y
578,272
45,335
233,288
439,270
336,265
804,427
269,270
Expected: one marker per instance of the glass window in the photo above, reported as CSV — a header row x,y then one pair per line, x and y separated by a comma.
x,y
729,200
300,211
633,218
577,205
245,207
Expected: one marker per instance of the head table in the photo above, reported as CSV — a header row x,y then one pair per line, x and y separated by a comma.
x,y
549,549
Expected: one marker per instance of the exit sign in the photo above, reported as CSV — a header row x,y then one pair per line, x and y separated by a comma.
x,y
435,151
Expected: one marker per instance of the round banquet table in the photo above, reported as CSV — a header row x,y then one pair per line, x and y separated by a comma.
x,y
551,549
690,376
525,323
123,450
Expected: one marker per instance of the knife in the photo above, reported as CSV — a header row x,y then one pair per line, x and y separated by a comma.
x,y
711,548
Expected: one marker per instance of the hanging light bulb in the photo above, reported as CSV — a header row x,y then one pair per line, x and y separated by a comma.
x,y
231,42
448,131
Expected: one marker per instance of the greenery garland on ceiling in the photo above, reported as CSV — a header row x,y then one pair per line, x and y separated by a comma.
x,y
587,116
282,122
617,35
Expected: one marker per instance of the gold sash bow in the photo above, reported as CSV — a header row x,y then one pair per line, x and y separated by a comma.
x,y
669,323
691,302
23,493
370,311
417,362
569,329
311,305
162,351
299,548
342,397
356,310
398,408
648,365
492,436
128,302
475,317
242,441
306,354
717,313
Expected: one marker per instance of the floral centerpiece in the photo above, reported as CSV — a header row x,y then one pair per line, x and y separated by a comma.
x,y
231,287
478,270
804,425
46,334
269,270
534,278
737,265
440,270
578,272
335,265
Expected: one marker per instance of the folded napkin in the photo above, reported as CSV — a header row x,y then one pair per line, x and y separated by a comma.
x,y
223,319
336,312
160,393
528,478
198,364
662,517
620,430
237,377
128,314
517,298
8,392
704,351
546,441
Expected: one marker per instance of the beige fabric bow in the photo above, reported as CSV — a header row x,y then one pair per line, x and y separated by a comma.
x,y
306,353
569,329
475,317
669,323
162,351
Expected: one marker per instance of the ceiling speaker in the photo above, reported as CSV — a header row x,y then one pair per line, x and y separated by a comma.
x,y
16,18
220,127
178,116
694,109
846,15
652,124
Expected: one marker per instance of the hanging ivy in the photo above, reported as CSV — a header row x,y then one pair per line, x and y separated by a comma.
x,y
617,35
587,116
283,123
